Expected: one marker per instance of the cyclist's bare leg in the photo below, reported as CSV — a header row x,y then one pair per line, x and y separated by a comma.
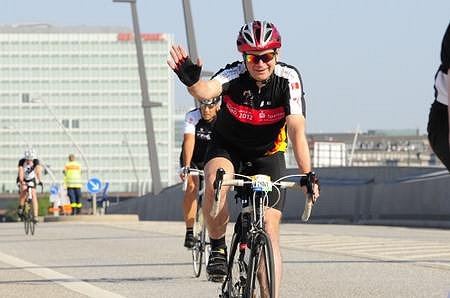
x,y
22,196
262,276
34,202
272,218
216,226
190,202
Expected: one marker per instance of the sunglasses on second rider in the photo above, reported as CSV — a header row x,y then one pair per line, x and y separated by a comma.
x,y
252,58
208,105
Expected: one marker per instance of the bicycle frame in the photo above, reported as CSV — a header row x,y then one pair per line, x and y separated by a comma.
x,y
28,213
249,234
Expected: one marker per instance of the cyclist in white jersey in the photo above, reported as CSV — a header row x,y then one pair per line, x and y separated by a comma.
x,y
28,170
197,135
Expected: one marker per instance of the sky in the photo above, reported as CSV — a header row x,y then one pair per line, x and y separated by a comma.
x,y
366,64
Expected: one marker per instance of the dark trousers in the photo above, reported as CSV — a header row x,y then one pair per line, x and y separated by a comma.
x,y
75,197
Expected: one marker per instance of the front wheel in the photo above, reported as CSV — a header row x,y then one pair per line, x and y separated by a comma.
x,y
199,248
261,269
32,224
27,218
234,284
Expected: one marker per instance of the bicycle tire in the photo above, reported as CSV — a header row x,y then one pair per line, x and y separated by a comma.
x,y
261,247
197,250
26,223
234,284
26,217
32,225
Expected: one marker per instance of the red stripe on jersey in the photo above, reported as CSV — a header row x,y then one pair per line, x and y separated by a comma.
x,y
255,117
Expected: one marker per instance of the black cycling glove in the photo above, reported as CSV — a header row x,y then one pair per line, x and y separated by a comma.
x,y
188,72
309,180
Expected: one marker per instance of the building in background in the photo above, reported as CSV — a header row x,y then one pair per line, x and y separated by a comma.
x,y
89,77
373,148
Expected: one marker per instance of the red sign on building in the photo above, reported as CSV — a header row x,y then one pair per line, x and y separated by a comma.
x,y
128,36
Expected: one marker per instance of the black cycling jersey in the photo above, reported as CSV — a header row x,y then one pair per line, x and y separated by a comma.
x,y
195,124
252,120
437,128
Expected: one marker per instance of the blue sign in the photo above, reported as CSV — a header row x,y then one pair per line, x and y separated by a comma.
x,y
94,185
54,190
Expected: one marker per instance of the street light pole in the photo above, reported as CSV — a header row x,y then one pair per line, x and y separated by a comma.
x,y
191,41
55,117
146,104
133,165
86,164
248,10
13,128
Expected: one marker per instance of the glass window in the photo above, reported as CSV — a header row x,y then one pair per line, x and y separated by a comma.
x,y
75,123
25,97
66,123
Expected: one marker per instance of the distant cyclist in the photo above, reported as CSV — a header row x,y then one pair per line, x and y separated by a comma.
x,y
28,170
197,134
262,104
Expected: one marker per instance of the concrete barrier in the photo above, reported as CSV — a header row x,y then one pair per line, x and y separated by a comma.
x,y
369,195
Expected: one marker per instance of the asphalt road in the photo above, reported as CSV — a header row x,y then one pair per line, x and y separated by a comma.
x,y
146,259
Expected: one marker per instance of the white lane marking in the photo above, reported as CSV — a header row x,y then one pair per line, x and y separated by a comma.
x,y
72,283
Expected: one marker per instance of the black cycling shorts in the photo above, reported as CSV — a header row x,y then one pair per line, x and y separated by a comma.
x,y
438,132
272,165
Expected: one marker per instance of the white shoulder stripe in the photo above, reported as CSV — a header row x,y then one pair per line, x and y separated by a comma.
x,y
295,88
191,120
230,73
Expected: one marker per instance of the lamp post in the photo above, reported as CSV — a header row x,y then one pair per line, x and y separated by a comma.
x,y
133,165
146,104
66,131
248,10
191,42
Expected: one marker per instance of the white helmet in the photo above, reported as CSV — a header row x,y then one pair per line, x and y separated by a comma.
x,y
29,154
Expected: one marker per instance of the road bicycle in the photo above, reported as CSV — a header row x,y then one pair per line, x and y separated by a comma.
x,y
28,215
251,249
201,248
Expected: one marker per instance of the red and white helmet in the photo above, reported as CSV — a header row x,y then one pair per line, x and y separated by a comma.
x,y
258,36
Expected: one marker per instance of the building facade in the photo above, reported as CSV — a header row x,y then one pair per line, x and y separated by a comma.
x,y
372,148
85,79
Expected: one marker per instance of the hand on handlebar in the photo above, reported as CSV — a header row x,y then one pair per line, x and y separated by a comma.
x,y
311,185
184,173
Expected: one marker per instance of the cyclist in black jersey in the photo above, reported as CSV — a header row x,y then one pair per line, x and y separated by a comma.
x,y
197,135
262,104
28,170
438,123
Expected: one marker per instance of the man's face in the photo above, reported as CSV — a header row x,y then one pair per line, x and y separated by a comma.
x,y
208,111
260,64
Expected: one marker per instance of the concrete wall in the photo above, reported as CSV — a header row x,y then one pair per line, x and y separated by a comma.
x,y
349,195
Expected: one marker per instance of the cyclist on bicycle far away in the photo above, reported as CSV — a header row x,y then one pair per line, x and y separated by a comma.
x,y
197,134
28,170
262,104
